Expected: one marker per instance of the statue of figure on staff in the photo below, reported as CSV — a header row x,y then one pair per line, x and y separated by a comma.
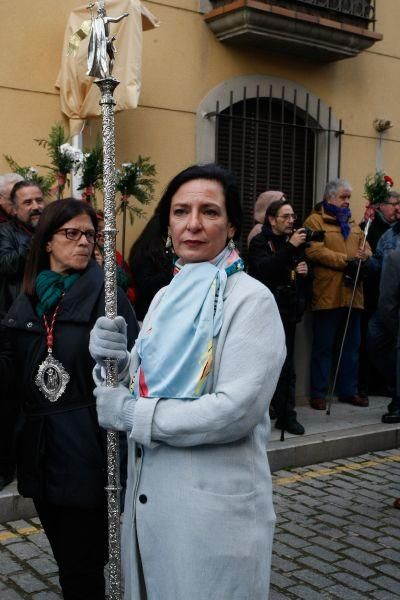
x,y
101,51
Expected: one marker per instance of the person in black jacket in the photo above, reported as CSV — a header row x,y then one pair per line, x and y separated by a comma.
x,y
151,265
276,259
15,240
61,449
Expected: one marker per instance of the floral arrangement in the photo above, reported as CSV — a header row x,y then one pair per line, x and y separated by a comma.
x,y
135,179
91,172
377,187
64,157
31,174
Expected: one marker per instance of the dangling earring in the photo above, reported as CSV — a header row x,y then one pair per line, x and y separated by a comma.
x,y
231,244
168,242
48,248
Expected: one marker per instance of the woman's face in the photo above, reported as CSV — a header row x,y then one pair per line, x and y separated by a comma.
x,y
198,221
71,255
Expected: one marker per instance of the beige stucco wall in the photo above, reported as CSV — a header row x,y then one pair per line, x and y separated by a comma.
x,y
182,62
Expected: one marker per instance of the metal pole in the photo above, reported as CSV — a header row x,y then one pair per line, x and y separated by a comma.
x,y
101,53
332,389
107,102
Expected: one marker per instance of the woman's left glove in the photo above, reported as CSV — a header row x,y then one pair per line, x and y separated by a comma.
x,y
115,407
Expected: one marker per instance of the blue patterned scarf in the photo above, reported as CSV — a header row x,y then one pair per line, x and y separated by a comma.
x,y
50,286
176,349
343,216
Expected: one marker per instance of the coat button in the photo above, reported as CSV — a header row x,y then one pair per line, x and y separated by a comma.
x,y
29,325
142,499
11,320
138,452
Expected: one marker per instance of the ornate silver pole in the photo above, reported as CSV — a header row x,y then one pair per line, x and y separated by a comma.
x,y
100,64
107,87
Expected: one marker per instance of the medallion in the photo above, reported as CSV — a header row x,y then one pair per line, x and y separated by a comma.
x,y
51,378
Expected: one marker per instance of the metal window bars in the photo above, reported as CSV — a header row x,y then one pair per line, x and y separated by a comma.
x,y
277,142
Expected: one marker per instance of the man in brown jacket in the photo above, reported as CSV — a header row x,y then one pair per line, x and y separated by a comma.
x,y
335,262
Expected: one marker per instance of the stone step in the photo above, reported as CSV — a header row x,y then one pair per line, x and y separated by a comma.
x,y
347,431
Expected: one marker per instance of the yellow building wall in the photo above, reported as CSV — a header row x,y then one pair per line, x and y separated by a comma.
x,y
182,62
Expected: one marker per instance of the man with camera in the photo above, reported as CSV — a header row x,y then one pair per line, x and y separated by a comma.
x,y
276,258
335,260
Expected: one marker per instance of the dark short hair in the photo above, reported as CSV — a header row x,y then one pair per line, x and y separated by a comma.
x,y
22,184
275,207
212,172
53,217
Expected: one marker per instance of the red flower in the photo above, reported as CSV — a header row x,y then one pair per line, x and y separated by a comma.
x,y
389,180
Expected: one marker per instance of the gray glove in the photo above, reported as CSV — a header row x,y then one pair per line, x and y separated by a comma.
x,y
115,407
108,340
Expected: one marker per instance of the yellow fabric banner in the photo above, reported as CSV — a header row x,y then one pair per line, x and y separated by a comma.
x,y
79,98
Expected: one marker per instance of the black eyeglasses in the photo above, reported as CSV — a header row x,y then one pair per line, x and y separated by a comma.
x,y
76,234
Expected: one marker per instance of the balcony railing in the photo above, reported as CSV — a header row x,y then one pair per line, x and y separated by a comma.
x,y
356,12
320,30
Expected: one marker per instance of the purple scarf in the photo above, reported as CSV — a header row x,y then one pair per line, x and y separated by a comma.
x,y
342,215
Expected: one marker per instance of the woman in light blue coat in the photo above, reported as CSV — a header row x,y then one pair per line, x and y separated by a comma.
x,y
193,397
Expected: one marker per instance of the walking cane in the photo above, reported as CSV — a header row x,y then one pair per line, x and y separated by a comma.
x,y
332,388
100,63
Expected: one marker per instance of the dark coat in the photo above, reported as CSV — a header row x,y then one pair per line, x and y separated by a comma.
x,y
60,446
371,279
15,241
272,260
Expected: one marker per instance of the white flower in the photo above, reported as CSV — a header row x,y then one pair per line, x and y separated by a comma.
x,y
68,150
127,165
32,170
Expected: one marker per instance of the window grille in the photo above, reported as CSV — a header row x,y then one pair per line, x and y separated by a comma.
x,y
271,143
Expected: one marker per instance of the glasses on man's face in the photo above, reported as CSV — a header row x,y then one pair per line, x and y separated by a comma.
x,y
392,203
290,217
76,234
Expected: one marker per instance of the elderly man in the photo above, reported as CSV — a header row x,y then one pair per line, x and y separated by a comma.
x,y
15,240
7,182
334,260
386,214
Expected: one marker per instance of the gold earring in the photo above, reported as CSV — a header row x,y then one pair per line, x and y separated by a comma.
x,y
231,244
168,242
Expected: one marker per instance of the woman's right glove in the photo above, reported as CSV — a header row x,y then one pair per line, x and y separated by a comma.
x,y
108,340
115,407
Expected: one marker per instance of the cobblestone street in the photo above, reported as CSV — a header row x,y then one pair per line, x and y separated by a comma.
x,y
337,536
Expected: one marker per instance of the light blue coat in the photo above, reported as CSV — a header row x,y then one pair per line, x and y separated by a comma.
x,y
199,493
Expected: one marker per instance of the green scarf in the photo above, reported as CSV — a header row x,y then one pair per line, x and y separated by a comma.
x,y
50,287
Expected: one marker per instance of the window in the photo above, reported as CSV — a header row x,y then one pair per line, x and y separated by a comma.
x,y
274,138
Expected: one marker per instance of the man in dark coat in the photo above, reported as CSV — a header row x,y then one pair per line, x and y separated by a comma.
x,y
386,214
15,240
276,259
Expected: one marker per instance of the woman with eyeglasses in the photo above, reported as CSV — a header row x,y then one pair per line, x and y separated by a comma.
x,y
61,449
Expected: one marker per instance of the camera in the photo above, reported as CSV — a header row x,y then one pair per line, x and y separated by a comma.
x,y
314,236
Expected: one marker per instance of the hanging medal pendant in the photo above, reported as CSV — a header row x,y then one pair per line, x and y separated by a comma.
x,y
51,378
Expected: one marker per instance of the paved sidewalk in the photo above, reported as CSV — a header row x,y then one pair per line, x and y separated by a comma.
x,y
337,536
